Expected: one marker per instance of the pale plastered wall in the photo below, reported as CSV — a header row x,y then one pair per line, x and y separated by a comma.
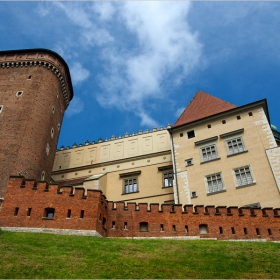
x,y
257,137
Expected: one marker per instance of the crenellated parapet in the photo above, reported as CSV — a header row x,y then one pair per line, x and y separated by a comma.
x,y
172,221
29,204
68,210
113,138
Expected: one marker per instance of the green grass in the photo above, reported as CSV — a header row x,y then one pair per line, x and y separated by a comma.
x,y
28,255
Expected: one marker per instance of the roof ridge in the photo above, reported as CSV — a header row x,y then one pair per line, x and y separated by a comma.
x,y
203,105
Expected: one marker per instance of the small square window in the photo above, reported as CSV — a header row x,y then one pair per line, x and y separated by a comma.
x,y
203,229
144,226
194,194
209,125
191,134
224,122
189,162
49,213
250,114
238,117
181,134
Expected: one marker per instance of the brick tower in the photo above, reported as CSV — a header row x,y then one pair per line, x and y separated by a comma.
x,y
35,91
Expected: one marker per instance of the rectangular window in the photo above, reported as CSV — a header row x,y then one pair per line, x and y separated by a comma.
x,y
208,152
29,212
191,134
243,176
214,183
130,185
82,214
49,213
235,145
16,211
69,213
168,179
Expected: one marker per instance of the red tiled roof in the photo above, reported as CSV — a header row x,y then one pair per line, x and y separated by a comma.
x,y
203,105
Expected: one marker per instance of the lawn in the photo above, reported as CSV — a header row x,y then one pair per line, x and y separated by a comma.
x,y
35,255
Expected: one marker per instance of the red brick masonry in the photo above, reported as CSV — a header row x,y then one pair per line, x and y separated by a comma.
x,y
27,204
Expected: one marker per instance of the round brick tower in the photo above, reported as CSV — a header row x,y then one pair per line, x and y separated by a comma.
x,y
35,91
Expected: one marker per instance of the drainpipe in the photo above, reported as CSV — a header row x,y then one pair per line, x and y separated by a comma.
x,y
175,188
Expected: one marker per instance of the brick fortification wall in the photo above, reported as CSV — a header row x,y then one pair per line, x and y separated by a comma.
x,y
31,199
26,202
35,90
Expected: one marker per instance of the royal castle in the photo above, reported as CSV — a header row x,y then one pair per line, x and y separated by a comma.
x,y
215,173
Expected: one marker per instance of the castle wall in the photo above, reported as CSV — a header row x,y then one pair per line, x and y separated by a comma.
x,y
117,219
26,202
35,90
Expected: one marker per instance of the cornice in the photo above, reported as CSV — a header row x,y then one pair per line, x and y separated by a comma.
x,y
261,103
108,163
41,58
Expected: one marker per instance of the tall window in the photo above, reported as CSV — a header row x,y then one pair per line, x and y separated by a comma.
x,y
208,152
130,185
168,179
235,145
214,183
243,176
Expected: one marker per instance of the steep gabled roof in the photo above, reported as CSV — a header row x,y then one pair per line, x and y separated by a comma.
x,y
203,105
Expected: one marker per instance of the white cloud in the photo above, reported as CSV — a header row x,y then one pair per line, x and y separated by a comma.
x,y
165,46
147,120
76,107
143,47
78,73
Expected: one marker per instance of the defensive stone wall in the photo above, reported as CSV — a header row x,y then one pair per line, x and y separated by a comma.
x,y
29,204
40,207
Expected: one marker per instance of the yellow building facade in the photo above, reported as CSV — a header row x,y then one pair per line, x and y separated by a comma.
x,y
215,154
132,168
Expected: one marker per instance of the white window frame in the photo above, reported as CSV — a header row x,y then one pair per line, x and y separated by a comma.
x,y
246,176
234,136
204,152
219,183
210,145
236,147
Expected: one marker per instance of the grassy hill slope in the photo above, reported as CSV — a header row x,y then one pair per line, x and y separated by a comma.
x,y
28,255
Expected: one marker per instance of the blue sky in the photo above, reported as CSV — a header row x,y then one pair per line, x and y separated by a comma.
x,y
136,65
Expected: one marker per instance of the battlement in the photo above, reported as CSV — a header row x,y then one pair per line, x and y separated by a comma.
x,y
196,210
29,204
113,137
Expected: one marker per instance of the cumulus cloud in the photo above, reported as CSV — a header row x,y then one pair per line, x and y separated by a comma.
x,y
76,107
78,73
143,47
165,46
